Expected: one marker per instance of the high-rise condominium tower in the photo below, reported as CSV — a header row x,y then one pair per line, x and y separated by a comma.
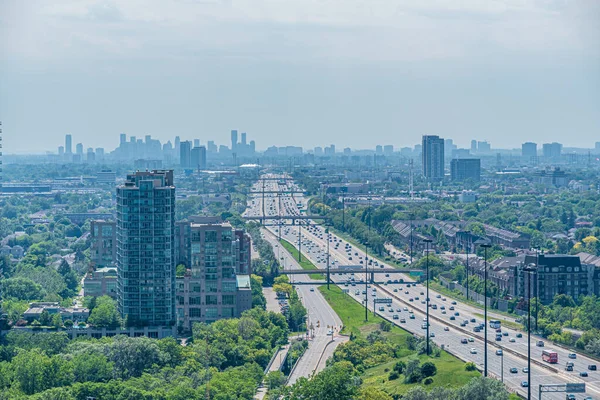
x,y
146,248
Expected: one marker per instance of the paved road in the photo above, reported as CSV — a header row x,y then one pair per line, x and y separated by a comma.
x,y
314,244
319,313
276,366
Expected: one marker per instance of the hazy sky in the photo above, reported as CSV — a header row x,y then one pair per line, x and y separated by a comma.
x,y
299,72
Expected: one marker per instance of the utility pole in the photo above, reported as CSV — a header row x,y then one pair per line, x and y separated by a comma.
x,y
485,246
468,245
343,211
328,276
366,280
299,241
427,242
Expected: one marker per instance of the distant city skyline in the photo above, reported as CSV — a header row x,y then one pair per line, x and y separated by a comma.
x,y
299,73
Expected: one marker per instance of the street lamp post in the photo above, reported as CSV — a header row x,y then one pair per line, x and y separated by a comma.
x,y
366,280
411,238
468,245
327,232
427,242
299,241
529,269
485,246
537,287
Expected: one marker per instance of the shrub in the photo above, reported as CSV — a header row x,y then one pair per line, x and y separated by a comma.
x,y
428,369
470,366
428,381
393,376
399,367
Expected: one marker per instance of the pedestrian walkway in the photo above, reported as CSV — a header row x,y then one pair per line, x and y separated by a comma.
x,y
275,366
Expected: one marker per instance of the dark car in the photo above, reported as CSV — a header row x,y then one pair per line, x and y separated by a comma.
x,y
514,370
583,374
592,367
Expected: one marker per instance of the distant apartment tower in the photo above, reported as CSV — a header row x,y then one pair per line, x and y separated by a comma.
x,y
185,154
61,151
484,147
529,150
198,157
218,263
146,248
465,169
433,157
552,150
473,146
388,149
103,243
68,144
379,149
234,140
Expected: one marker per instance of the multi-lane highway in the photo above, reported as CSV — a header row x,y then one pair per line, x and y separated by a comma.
x,y
451,323
324,337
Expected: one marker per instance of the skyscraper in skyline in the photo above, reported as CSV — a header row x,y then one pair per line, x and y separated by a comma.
x,y
244,139
234,139
79,149
433,157
68,144
146,249
185,150
529,150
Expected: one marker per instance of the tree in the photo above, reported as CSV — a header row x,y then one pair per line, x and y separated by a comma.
x,y
482,388
57,321
45,318
275,379
373,394
105,314
92,367
428,369
180,271
20,289
29,367
413,371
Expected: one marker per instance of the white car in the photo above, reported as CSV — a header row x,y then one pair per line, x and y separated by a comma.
x,y
473,350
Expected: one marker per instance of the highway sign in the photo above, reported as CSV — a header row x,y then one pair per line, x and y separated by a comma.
x,y
382,301
416,273
575,387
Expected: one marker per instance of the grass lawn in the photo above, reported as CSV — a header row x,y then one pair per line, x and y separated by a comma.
x,y
305,263
450,370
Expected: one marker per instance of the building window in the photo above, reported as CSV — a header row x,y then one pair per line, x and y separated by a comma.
x,y
196,288
226,236
211,299
210,236
227,312
228,299
228,287
195,313
195,301
211,313
211,286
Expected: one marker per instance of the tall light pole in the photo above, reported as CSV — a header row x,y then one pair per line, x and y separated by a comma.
x,y
411,237
529,269
468,233
485,246
299,241
427,242
366,280
327,232
537,287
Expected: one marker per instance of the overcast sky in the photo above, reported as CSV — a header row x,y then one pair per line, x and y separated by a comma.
x,y
299,72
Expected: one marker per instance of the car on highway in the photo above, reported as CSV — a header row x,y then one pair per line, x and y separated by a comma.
x,y
463,341
514,370
524,384
473,320
398,309
432,334
592,367
499,352
402,320
412,316
381,308
446,329
452,318
473,350
395,316
451,308
453,303
571,397
540,343
504,333
312,289
395,290
572,356
512,340
405,308
525,370
471,339
519,335
583,374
